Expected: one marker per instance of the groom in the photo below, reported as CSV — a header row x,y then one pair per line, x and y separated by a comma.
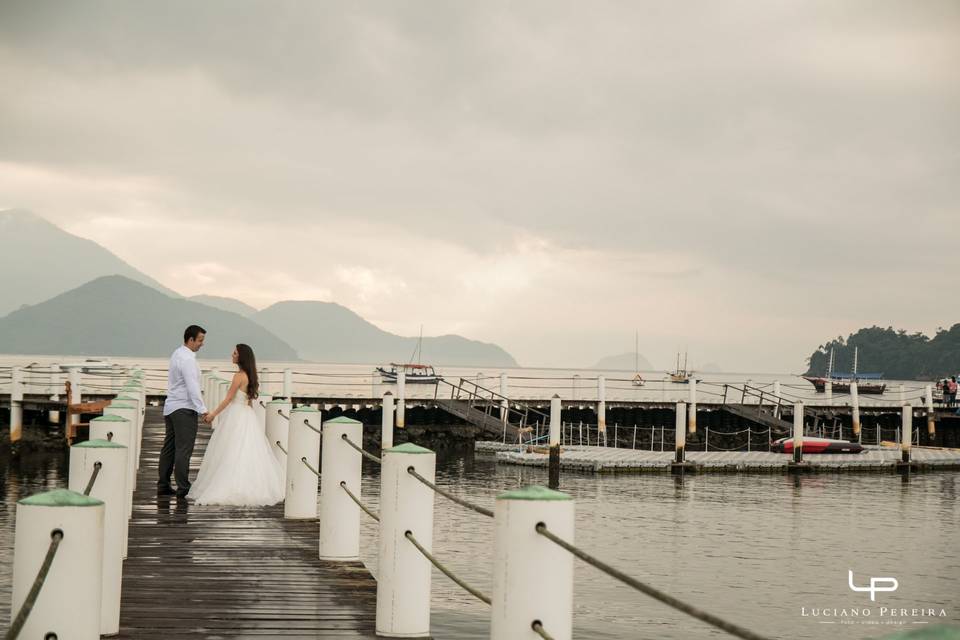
x,y
183,406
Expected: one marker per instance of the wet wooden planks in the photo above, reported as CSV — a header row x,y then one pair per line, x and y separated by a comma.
x,y
223,572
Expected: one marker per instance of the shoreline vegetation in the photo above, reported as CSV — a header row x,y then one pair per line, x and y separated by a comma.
x,y
893,352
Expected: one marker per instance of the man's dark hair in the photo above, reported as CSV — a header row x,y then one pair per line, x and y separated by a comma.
x,y
191,332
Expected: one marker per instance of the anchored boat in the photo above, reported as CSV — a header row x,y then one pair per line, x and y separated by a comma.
x,y
840,382
816,445
412,373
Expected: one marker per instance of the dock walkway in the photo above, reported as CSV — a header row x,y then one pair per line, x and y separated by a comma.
x,y
221,572
591,458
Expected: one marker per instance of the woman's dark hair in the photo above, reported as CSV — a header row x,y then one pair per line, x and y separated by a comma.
x,y
248,364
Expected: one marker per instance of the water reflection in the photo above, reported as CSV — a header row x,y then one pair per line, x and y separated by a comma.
x,y
752,548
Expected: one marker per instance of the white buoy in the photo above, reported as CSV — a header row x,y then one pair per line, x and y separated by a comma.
x,y
401,399
906,433
556,417
304,444
288,384
855,419
278,430
680,433
931,416
16,404
110,487
260,408
532,576
403,580
798,432
339,514
119,419
386,421
692,410
69,604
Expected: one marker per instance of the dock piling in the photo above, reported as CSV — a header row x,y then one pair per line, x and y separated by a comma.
x,y
303,444
601,409
16,404
339,514
556,412
288,383
401,399
680,433
386,422
692,411
906,434
931,416
855,416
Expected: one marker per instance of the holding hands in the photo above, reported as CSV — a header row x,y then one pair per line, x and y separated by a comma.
x,y
207,418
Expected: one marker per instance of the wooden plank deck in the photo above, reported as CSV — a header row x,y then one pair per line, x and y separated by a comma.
x,y
222,572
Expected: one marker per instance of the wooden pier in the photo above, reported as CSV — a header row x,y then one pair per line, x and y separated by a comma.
x,y
224,572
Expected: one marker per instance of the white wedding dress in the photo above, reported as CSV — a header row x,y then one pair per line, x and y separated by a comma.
x,y
238,467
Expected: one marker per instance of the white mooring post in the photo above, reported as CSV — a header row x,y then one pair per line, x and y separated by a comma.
x,y
339,515
76,573
56,386
215,375
855,399
278,430
260,408
386,421
692,410
903,395
303,443
73,376
110,487
931,416
906,433
119,418
223,387
16,404
288,384
406,504
556,413
401,399
602,407
680,433
532,576
504,407
130,397
798,432
828,392
776,394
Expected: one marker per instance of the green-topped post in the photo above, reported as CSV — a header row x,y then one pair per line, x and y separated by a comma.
x,y
339,515
532,576
122,430
406,505
120,406
69,604
110,486
278,430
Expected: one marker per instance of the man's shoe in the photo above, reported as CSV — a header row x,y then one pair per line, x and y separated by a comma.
x,y
165,491
182,495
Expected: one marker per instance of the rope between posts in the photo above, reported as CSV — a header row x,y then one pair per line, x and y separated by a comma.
x,y
93,478
281,448
312,428
17,625
538,629
366,509
463,585
366,454
654,593
450,496
309,466
282,414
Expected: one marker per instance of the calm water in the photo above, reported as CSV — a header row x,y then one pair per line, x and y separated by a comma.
x,y
753,548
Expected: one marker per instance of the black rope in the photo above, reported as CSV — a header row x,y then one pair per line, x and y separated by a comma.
x,y
283,414
55,537
654,593
450,496
93,478
366,454
343,485
463,585
312,428
281,447
309,466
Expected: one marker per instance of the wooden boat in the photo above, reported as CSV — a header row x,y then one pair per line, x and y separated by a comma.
x,y
840,382
638,380
816,445
678,375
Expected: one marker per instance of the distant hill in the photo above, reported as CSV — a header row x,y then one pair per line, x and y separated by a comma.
x,y
38,260
622,362
226,304
115,316
329,332
894,353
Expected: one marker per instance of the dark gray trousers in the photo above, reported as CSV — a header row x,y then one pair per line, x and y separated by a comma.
x,y
177,449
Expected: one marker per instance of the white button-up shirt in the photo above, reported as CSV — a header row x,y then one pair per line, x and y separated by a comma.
x,y
183,383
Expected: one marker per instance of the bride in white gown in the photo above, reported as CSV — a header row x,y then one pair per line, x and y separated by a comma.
x,y
238,467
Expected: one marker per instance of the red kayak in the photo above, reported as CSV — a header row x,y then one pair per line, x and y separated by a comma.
x,y
817,445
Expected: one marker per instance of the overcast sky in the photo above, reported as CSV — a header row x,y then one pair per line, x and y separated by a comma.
x,y
743,179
